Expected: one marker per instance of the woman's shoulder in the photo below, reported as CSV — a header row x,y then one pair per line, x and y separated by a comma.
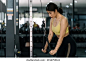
x,y
64,18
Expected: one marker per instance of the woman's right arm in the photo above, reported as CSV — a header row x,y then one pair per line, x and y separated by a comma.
x,y
50,35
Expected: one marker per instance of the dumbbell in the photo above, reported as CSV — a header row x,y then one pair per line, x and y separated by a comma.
x,y
82,31
85,31
41,39
20,31
3,31
26,30
73,31
4,39
38,31
77,39
78,31
23,30
33,30
0,31
34,39
41,31
38,39
82,39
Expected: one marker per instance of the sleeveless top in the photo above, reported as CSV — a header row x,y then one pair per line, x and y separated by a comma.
x,y
56,29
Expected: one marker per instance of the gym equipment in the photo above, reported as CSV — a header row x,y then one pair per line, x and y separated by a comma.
x,y
37,39
47,30
41,39
24,51
41,31
49,48
34,39
77,39
2,29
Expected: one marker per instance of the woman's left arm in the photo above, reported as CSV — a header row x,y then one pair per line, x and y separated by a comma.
x,y
64,24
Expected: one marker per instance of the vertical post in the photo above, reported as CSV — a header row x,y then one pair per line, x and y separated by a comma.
x,y
17,24
60,5
72,15
31,25
10,28
1,25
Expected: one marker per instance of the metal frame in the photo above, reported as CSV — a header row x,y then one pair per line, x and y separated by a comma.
x,y
10,28
31,26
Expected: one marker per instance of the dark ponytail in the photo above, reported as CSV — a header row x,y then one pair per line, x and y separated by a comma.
x,y
60,10
52,6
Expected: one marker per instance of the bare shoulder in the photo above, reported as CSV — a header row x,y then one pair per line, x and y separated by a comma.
x,y
64,19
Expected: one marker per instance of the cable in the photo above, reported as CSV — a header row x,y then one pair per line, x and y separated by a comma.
x,y
41,9
44,28
45,36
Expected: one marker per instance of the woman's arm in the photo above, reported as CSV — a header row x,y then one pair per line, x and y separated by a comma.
x,y
50,35
64,24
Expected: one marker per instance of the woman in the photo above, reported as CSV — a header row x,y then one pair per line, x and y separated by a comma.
x,y
65,46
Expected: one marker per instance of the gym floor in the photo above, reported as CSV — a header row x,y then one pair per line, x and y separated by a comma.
x,y
81,52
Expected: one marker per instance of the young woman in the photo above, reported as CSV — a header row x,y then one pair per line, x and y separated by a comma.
x,y
66,45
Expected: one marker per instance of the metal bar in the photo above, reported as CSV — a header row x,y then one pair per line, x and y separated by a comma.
x,y
17,25
31,26
73,12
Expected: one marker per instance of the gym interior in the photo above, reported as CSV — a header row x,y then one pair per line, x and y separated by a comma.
x,y
24,25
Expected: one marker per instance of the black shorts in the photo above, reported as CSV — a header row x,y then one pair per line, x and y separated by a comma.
x,y
67,48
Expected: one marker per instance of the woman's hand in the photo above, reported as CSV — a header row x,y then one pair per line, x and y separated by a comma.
x,y
44,50
52,52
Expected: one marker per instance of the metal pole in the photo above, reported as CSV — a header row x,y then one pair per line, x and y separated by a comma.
x,y
72,15
10,28
1,27
31,25
60,5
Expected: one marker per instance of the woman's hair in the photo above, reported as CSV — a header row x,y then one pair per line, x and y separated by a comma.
x,y
52,7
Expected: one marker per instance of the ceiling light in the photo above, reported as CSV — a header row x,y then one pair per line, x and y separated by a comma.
x,y
75,1
51,1
71,4
67,6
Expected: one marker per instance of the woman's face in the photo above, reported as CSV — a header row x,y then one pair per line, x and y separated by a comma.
x,y
52,14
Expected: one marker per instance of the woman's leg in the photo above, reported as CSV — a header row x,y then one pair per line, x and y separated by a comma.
x,y
70,47
61,51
